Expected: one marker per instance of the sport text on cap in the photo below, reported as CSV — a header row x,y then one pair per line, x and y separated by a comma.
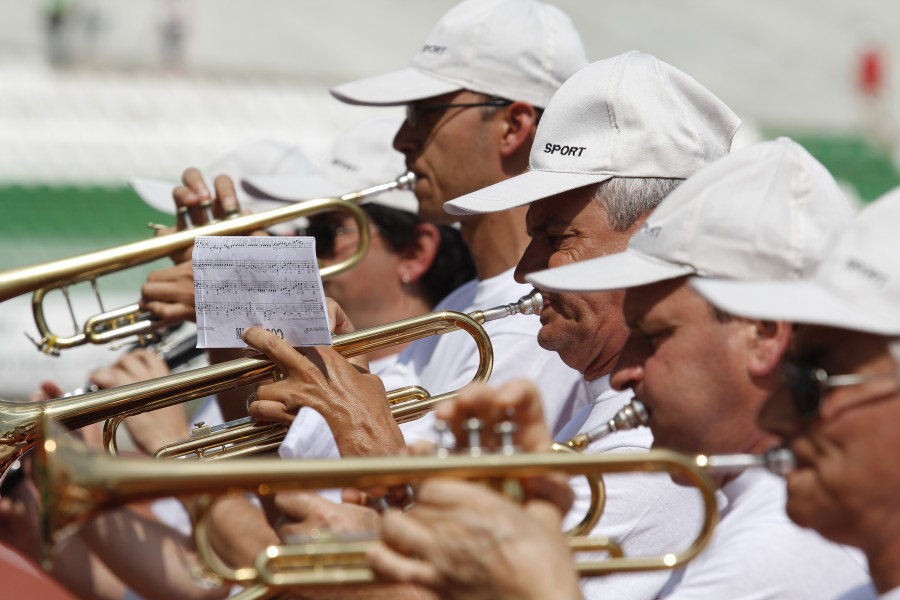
x,y
628,116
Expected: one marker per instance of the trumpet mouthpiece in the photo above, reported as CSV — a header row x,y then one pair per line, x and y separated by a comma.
x,y
531,304
407,181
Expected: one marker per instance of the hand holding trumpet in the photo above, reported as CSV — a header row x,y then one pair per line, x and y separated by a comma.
x,y
464,540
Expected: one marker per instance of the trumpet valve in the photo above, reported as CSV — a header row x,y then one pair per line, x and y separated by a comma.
x,y
507,431
200,429
474,427
442,429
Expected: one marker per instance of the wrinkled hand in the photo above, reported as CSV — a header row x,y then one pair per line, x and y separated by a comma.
x,y
352,401
305,512
465,541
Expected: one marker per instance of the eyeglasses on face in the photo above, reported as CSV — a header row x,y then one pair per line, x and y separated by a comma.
x,y
325,236
808,385
413,108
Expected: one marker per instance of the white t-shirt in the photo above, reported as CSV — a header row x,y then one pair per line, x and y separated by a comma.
x,y
893,594
757,553
448,362
648,514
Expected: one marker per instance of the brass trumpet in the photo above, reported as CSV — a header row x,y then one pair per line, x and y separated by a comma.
x,y
130,320
19,421
244,437
78,484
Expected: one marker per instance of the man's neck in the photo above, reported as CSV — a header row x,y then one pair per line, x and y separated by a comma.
x,y
496,240
884,562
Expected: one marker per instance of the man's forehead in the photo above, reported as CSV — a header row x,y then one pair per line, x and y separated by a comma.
x,y
447,98
565,209
819,342
656,300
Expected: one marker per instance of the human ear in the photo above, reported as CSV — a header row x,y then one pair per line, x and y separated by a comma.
x,y
416,259
768,342
519,124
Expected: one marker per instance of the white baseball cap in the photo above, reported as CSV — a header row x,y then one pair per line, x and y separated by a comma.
x,y
628,116
361,157
514,49
765,212
857,285
257,157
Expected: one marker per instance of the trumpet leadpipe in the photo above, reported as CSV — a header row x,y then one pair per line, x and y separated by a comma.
x,y
632,416
779,461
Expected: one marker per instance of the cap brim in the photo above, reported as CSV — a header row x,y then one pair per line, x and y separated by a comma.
x,y
794,301
613,272
156,193
520,190
390,89
288,188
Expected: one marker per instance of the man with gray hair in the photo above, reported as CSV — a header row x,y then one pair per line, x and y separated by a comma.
x,y
616,138
767,211
702,375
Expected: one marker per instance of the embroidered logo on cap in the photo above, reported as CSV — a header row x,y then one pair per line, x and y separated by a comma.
x,y
650,231
433,49
563,150
337,162
873,275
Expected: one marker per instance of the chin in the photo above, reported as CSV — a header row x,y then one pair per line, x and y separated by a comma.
x,y
803,505
556,342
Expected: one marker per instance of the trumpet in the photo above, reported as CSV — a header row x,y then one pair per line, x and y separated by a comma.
x,y
245,437
631,416
131,320
78,484
19,421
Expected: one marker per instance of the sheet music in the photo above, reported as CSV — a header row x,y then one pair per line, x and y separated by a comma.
x,y
269,282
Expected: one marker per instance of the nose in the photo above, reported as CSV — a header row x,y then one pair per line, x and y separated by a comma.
x,y
405,140
778,414
530,262
629,369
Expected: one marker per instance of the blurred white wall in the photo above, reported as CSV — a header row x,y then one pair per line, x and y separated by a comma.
x,y
785,63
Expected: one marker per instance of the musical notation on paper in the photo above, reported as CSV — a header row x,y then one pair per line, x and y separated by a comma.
x,y
268,282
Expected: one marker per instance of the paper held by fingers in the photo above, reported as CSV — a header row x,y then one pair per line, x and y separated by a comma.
x,y
268,282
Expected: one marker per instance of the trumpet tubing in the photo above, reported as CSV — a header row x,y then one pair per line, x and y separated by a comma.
x,y
19,421
129,320
79,484
243,438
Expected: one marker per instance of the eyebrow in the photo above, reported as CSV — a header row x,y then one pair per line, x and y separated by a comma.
x,y
550,221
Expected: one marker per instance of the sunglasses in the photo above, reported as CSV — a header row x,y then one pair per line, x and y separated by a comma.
x,y
325,236
808,385
413,109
